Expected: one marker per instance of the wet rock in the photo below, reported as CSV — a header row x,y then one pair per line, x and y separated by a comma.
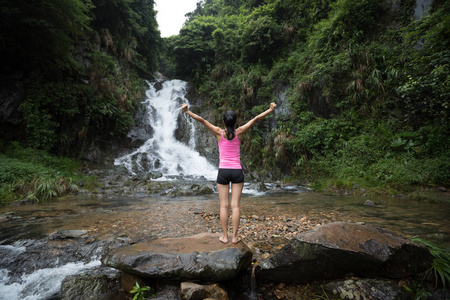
x,y
199,257
128,281
26,202
439,294
339,249
369,203
259,186
193,291
365,289
154,175
190,190
100,283
203,189
8,217
46,253
167,292
67,234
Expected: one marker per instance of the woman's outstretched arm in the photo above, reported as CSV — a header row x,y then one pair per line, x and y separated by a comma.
x,y
214,129
244,128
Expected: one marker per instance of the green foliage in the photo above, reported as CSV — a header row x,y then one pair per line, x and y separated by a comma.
x,y
379,158
261,38
440,268
140,293
11,169
129,30
82,62
65,165
35,174
194,47
61,116
40,33
44,188
349,23
368,87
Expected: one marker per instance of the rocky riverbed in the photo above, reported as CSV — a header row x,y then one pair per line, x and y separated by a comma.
x,y
134,211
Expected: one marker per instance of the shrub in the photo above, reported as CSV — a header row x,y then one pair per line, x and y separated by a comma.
x,y
440,268
35,174
44,188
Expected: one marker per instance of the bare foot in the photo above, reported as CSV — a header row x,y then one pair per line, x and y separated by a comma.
x,y
223,239
237,240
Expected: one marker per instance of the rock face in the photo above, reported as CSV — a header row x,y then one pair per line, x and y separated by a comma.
x,y
199,257
365,289
12,93
193,291
339,249
101,283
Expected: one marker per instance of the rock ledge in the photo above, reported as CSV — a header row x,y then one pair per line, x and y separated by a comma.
x,y
199,257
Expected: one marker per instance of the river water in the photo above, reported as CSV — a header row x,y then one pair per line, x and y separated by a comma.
x,y
137,219
163,217
268,219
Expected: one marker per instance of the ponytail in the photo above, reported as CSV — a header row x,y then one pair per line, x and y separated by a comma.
x,y
229,119
230,133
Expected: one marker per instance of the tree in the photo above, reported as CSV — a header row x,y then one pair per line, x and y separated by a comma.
x,y
261,38
194,48
129,29
40,34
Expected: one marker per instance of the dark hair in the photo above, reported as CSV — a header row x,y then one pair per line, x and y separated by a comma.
x,y
229,118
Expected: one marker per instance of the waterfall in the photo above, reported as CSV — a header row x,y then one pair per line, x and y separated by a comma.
x,y
162,153
421,8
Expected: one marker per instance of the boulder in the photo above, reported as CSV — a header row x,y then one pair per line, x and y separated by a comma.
x,y
67,234
199,257
128,281
366,289
167,292
100,283
193,291
339,249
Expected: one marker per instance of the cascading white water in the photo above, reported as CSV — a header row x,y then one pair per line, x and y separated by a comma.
x,y
39,284
421,8
162,152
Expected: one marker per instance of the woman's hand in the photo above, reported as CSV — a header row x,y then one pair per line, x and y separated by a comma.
x,y
184,107
273,105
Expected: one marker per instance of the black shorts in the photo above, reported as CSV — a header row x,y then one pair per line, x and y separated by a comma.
x,y
225,176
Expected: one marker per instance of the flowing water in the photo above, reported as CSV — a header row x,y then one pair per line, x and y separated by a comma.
x,y
40,284
133,219
162,152
136,219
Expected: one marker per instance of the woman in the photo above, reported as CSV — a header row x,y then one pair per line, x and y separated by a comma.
x,y
230,169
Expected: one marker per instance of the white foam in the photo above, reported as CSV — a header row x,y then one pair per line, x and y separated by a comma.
x,y
162,152
40,284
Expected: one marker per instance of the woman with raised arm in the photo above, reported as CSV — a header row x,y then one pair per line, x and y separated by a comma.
x,y
230,169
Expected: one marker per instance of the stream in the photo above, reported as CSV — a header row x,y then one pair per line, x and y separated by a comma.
x,y
41,244
138,219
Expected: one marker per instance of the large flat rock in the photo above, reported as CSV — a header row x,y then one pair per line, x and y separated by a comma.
x,y
199,257
339,249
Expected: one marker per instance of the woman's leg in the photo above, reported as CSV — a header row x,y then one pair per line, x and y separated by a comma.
x,y
224,191
236,192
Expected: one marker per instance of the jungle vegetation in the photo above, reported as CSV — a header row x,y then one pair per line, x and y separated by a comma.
x,y
80,65
365,84
363,87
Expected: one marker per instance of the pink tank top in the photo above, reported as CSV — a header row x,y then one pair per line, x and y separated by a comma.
x,y
229,152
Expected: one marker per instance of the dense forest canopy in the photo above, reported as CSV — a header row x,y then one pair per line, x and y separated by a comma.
x,y
82,61
363,86
368,86
71,79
